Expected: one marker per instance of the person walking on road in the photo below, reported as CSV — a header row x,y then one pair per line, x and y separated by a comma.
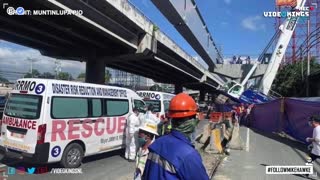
x,y
314,121
147,135
131,135
173,156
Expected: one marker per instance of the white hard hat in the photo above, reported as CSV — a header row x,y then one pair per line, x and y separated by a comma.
x,y
151,128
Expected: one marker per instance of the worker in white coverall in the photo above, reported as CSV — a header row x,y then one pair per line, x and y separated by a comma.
x,y
149,117
131,135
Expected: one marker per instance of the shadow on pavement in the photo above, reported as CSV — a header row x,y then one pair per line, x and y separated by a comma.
x,y
295,145
22,167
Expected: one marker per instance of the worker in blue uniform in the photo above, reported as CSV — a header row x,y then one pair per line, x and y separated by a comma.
x,y
172,156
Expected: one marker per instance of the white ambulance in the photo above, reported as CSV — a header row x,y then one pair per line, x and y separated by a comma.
x,y
159,100
61,121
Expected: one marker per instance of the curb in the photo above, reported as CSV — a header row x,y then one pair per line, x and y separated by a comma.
x,y
216,165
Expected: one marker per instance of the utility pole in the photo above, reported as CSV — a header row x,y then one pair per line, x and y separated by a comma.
x,y
32,60
308,63
57,69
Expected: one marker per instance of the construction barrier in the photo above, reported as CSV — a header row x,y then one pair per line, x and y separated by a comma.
x,y
236,141
216,116
216,137
227,115
200,116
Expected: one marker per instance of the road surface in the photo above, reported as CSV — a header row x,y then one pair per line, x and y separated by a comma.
x,y
261,150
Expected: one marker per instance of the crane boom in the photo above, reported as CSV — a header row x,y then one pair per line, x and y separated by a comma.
x,y
286,31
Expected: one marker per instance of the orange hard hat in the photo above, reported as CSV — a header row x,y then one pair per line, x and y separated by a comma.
x,y
182,105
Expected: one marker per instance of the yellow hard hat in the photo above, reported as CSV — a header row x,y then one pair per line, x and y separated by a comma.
x,y
151,128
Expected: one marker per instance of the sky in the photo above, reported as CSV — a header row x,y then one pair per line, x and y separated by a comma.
x,y
238,26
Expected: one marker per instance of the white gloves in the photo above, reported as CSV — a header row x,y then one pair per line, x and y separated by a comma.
x,y
308,139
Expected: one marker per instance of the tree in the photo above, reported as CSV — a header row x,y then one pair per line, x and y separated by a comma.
x,y
65,76
291,80
155,87
35,74
47,75
3,80
107,76
82,75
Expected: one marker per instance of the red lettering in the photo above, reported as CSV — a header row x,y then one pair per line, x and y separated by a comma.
x,y
19,124
114,125
34,123
58,130
87,127
73,128
121,124
29,124
25,124
96,127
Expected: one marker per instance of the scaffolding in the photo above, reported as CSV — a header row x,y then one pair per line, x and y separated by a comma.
x,y
306,37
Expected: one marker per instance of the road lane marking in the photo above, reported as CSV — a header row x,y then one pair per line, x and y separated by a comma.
x,y
248,140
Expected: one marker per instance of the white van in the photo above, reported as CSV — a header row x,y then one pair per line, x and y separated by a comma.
x,y
61,121
159,100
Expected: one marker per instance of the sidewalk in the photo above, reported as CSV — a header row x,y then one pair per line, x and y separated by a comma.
x,y
262,150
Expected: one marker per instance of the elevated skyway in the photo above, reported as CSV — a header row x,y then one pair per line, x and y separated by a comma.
x,y
187,19
109,33
239,71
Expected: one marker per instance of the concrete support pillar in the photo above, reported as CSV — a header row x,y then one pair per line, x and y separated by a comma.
x,y
202,95
178,88
95,71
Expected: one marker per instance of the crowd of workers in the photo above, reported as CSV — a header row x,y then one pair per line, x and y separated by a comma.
x,y
238,60
164,149
241,113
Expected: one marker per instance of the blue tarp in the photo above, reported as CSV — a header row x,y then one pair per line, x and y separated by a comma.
x,y
293,119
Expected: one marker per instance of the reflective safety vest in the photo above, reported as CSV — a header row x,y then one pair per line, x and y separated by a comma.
x,y
173,157
165,128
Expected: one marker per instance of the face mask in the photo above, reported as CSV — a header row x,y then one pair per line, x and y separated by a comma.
x,y
187,127
142,141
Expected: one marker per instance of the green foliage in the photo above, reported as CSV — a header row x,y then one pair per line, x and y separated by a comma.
x,y
35,74
291,79
47,75
65,76
155,87
82,75
3,80
107,76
